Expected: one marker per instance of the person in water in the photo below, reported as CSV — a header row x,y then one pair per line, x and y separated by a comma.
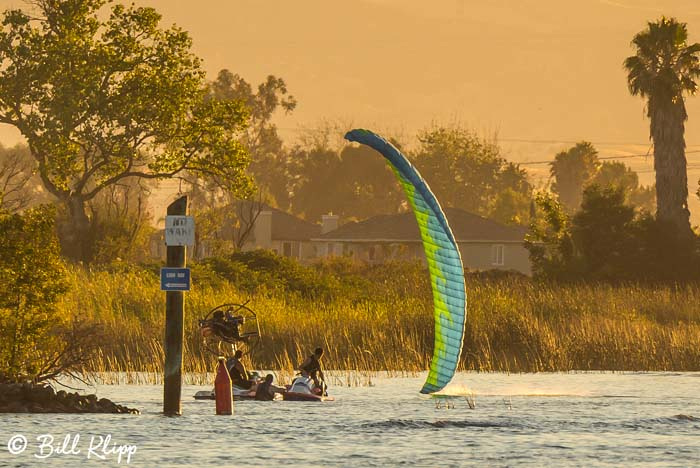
x,y
239,375
311,367
266,391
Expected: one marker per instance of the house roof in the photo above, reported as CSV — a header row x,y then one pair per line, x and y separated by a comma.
x,y
288,227
284,225
467,227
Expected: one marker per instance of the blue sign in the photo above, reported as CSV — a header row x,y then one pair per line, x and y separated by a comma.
x,y
174,279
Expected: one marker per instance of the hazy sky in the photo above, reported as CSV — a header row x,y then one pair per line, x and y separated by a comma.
x,y
528,69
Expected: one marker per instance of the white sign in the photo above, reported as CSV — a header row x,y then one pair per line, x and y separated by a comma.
x,y
179,230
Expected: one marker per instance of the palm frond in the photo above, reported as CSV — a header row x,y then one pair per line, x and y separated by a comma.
x,y
664,65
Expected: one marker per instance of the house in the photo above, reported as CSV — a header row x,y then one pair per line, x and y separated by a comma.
x,y
484,244
284,234
255,226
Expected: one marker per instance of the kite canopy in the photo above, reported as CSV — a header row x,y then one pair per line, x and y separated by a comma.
x,y
444,261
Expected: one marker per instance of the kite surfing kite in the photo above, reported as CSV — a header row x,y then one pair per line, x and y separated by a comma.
x,y
444,261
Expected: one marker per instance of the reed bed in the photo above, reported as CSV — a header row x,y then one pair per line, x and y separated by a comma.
x,y
514,325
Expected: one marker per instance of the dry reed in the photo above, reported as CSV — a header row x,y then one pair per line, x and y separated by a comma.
x,y
513,326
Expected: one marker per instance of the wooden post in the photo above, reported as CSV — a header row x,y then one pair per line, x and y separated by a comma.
x,y
174,331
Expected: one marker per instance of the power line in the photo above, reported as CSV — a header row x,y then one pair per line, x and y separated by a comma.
x,y
626,156
523,140
537,141
572,142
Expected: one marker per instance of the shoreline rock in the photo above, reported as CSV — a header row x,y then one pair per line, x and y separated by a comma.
x,y
36,398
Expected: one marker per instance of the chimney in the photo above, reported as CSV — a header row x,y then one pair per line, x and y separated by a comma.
x,y
329,222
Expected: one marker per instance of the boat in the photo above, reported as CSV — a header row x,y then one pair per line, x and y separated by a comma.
x,y
238,394
303,389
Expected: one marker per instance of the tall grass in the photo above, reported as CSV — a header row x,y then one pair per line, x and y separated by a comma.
x,y
514,325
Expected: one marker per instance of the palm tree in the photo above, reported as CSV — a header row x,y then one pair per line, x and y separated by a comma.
x,y
572,170
663,70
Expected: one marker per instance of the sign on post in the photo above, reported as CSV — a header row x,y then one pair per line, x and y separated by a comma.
x,y
174,279
179,230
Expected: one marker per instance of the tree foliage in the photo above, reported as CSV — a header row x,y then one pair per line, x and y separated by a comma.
x,y
464,170
121,222
18,184
356,183
573,170
267,156
549,240
468,172
607,240
615,174
33,279
577,168
603,234
220,229
102,98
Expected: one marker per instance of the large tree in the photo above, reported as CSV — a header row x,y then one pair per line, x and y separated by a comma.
x,y
355,183
603,234
606,239
105,97
572,170
268,160
222,224
615,174
663,70
467,171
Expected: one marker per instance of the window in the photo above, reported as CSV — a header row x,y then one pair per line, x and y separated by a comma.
x,y
497,255
287,249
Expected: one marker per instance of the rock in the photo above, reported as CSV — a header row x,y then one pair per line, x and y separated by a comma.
x,y
41,395
107,406
27,397
36,408
50,392
16,407
58,407
27,390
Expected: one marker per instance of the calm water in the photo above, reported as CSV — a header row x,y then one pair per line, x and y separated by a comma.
x,y
646,419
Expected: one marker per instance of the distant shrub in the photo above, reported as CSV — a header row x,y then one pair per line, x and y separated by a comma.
x,y
497,275
337,278
262,270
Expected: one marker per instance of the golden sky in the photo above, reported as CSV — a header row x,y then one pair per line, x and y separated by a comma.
x,y
543,70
